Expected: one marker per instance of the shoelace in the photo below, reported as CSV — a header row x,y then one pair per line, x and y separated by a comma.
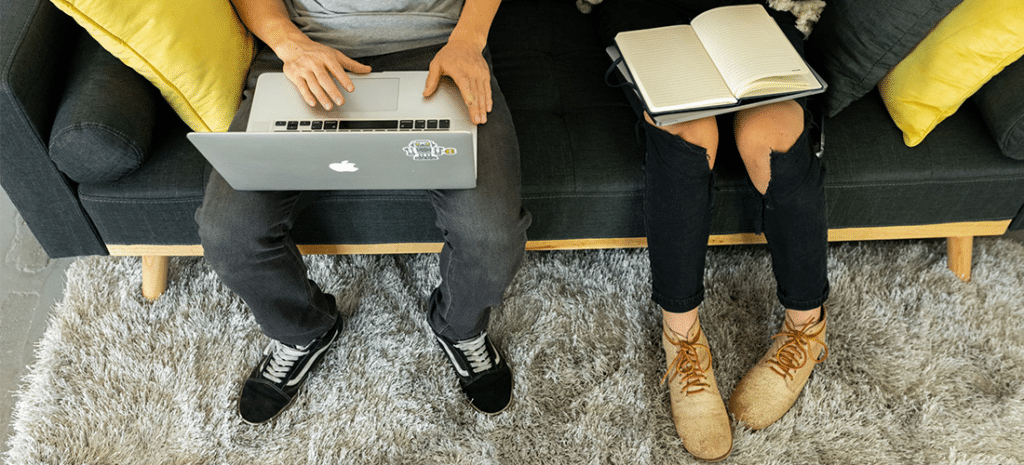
x,y
282,359
475,351
687,364
793,354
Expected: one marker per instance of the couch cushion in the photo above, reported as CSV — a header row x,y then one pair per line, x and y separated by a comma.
x,y
972,44
582,164
196,52
1002,105
858,41
105,120
956,174
581,160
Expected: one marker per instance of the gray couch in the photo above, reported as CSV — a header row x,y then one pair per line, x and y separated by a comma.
x,y
97,163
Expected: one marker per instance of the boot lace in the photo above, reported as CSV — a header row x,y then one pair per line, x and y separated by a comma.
x,y
282,359
476,353
687,365
793,354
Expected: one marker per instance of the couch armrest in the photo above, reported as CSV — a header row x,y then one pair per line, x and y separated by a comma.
x,y
105,122
34,50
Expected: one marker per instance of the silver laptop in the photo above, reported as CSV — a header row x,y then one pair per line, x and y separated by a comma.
x,y
385,136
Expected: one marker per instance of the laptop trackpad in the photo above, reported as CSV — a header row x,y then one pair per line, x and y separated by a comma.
x,y
371,94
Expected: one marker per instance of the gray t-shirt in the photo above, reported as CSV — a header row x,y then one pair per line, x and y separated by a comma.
x,y
375,27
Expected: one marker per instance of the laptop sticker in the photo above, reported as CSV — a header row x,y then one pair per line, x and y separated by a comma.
x,y
427,150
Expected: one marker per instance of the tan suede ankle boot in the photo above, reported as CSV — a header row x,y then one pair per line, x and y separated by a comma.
x,y
771,387
697,407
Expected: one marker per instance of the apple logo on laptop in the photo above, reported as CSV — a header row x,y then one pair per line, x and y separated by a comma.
x,y
344,166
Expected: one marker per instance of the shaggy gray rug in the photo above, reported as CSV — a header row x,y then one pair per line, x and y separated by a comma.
x,y
922,369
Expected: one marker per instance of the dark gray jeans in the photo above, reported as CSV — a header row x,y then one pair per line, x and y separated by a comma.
x,y
245,234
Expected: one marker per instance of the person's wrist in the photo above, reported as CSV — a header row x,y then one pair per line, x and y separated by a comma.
x,y
472,39
286,44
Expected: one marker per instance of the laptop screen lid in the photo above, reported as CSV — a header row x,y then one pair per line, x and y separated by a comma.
x,y
385,136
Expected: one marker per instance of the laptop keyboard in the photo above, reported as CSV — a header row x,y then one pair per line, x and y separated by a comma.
x,y
334,125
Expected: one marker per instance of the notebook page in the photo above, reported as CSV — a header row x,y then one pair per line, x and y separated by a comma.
x,y
747,45
782,84
671,69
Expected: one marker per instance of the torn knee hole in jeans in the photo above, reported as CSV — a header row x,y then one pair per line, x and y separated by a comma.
x,y
763,199
673,153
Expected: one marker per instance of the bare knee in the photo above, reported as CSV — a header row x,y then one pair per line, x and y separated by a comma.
x,y
763,130
702,133
770,127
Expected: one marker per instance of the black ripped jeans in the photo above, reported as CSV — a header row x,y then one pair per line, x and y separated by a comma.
x,y
678,201
679,195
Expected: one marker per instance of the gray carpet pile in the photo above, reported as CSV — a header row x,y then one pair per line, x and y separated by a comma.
x,y
922,368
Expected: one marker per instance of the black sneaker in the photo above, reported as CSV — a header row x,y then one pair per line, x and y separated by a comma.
x,y
485,378
274,383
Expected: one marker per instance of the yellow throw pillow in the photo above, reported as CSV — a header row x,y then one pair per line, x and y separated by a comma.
x,y
967,48
196,52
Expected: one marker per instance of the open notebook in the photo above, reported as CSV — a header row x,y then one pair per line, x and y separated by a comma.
x,y
727,58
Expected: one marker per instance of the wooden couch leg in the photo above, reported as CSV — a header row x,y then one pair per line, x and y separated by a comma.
x,y
958,256
154,275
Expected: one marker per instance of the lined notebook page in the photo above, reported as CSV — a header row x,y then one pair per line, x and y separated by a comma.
x,y
672,70
748,45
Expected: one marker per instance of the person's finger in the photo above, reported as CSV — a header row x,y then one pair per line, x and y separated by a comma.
x,y
307,96
433,79
316,87
480,100
488,95
348,64
353,65
468,97
300,85
337,72
329,90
